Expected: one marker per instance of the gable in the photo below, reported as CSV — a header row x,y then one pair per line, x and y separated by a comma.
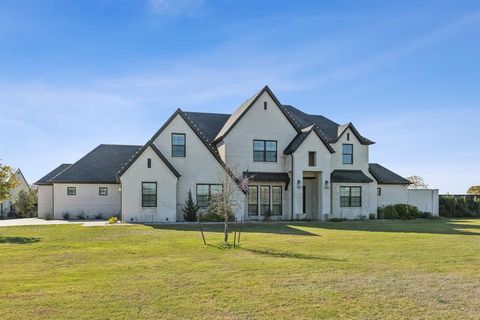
x,y
257,101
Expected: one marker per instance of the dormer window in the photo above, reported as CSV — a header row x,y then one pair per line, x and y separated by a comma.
x,y
149,163
347,153
178,145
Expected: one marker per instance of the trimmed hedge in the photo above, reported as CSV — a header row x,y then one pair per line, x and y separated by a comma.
x,y
455,207
399,211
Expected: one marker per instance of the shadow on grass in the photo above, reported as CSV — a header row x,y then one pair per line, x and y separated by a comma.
x,y
272,252
267,227
18,240
431,226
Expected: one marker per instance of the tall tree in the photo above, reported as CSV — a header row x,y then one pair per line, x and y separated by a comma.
x,y
474,190
417,182
8,181
190,209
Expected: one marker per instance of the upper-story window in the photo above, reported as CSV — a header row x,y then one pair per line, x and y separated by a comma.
x,y
312,158
265,150
178,145
71,191
347,154
149,163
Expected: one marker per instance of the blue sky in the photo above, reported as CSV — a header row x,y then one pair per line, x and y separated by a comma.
x,y
74,74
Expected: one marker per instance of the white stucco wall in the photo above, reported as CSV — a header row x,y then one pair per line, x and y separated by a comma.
x,y
392,194
86,200
132,210
45,201
360,154
425,200
199,166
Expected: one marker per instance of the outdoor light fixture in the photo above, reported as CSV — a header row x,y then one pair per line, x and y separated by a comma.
x,y
299,184
326,184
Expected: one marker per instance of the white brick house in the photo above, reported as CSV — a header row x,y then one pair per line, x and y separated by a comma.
x,y
299,166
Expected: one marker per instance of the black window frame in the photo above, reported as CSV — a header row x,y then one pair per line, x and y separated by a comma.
x,y
184,145
379,191
209,195
280,211
347,154
149,195
149,163
310,162
253,205
74,191
346,201
264,152
268,205
100,191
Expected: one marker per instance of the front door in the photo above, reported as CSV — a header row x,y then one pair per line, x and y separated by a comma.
x,y
309,197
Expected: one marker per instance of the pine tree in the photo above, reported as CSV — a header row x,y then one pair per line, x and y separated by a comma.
x,y
190,209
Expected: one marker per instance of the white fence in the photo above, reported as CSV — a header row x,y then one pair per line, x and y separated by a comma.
x,y
425,200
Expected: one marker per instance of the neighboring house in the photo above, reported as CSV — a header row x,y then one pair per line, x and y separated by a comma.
x,y
6,207
287,165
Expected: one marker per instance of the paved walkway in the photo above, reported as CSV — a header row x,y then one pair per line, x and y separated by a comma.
x,y
38,222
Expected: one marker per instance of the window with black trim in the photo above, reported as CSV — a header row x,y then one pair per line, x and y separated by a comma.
x,y
71,191
350,196
265,150
347,153
379,191
312,158
265,200
102,191
348,136
252,200
276,201
149,163
205,192
178,145
149,194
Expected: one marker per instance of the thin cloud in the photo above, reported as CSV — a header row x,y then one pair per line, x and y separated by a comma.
x,y
175,7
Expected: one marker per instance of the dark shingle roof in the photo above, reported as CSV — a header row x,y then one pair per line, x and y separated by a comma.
x,y
356,176
385,176
99,166
299,138
46,179
208,123
327,128
267,176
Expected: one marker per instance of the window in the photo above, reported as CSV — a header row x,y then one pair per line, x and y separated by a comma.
x,y
178,145
348,136
276,200
347,155
264,200
149,163
264,105
379,191
205,192
350,196
149,194
312,158
252,200
102,191
71,191
265,150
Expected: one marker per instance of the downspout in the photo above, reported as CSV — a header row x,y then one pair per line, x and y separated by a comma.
x,y
293,187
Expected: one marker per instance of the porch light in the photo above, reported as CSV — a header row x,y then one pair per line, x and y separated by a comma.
x,y
299,184
326,184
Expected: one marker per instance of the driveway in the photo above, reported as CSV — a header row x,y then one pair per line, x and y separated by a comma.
x,y
39,222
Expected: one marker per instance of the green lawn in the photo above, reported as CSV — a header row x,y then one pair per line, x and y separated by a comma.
x,y
363,269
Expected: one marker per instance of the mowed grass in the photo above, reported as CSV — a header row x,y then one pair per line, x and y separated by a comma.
x,y
360,269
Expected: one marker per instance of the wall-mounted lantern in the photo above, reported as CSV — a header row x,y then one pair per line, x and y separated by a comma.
x,y
326,185
299,184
